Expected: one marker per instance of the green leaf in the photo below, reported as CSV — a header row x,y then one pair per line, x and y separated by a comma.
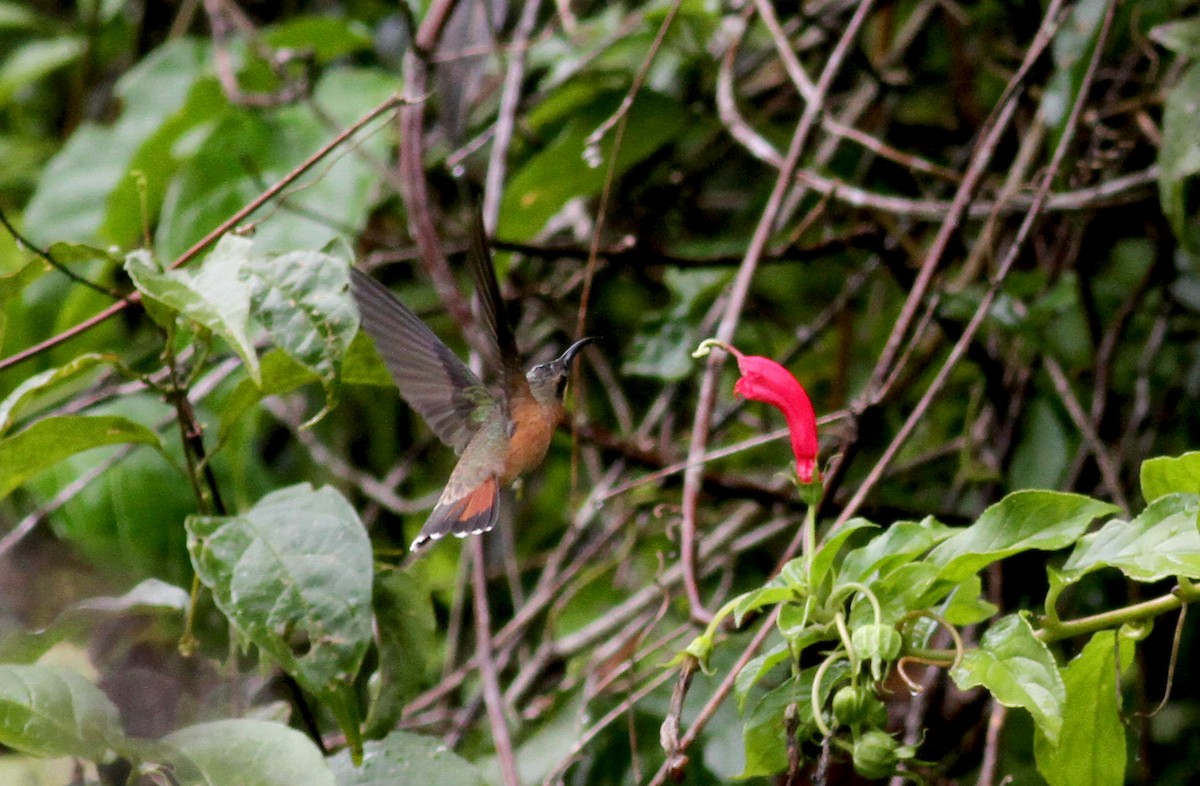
x,y
293,574
34,60
80,194
403,757
897,545
49,441
12,284
250,752
303,300
404,619
543,185
327,37
830,548
1182,37
764,729
1179,154
250,149
1169,475
15,16
1162,542
966,605
1091,746
1018,670
1023,520
48,711
150,595
42,382
662,346
757,668
215,294
1073,47
770,595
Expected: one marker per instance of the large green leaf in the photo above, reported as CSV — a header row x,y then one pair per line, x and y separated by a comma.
x,y
1170,475
1018,670
897,545
303,300
404,618
47,711
1022,521
293,575
88,181
764,728
12,284
150,596
1179,154
40,383
1182,37
33,60
215,294
1091,745
248,752
403,757
49,441
1162,542
250,149
565,168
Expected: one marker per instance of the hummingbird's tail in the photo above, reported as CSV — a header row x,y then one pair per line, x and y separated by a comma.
x,y
471,513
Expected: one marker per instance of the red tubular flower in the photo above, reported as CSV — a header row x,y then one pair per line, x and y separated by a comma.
x,y
765,380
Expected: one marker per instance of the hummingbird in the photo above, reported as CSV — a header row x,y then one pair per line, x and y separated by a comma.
x,y
497,434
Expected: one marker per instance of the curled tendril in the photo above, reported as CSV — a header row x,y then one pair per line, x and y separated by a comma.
x,y
907,659
816,692
864,590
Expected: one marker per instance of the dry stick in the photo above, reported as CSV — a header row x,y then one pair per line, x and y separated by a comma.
x,y
741,131
991,748
211,237
1120,190
487,668
510,99
800,78
380,492
985,304
962,198
604,722
1087,428
719,695
737,298
414,188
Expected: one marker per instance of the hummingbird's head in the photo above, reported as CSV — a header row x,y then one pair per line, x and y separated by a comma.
x,y
549,380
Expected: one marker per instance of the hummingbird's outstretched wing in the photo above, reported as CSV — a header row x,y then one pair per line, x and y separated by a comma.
x,y
430,377
494,313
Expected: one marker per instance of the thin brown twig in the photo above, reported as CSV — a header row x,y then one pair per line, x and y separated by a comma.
x,y
1117,191
990,138
200,245
510,100
991,746
492,696
719,695
985,304
414,187
736,301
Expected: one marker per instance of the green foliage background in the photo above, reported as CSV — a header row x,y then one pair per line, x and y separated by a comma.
x,y
130,130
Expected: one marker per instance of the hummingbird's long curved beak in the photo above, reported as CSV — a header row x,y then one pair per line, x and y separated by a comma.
x,y
574,350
